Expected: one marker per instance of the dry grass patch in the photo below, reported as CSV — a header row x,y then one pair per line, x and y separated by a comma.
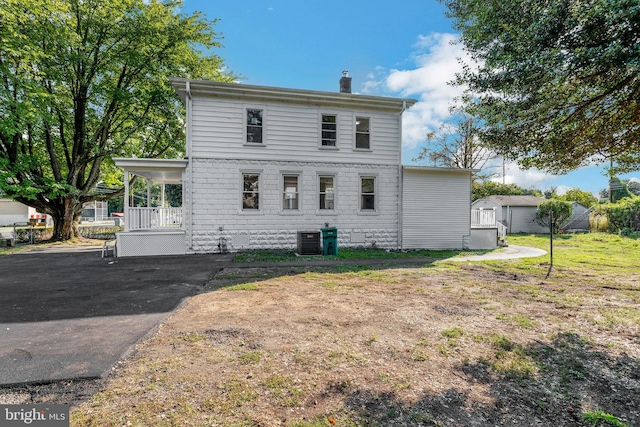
x,y
444,345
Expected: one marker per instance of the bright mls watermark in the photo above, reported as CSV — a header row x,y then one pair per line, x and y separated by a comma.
x,y
34,415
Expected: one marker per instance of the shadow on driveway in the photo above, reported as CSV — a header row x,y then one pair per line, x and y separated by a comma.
x,y
39,287
72,314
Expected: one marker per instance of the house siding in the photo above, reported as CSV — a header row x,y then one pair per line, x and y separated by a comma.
x,y
14,212
435,209
216,205
290,131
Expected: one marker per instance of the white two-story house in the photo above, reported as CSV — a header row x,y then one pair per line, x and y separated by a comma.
x,y
265,165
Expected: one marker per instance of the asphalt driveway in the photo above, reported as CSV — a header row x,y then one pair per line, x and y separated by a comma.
x,y
71,314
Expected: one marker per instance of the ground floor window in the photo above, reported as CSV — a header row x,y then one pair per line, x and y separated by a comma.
x,y
367,193
250,191
327,193
290,192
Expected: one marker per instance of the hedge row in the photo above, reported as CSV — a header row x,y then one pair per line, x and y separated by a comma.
x,y
40,234
623,216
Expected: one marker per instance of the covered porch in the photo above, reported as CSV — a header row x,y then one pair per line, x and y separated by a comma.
x,y
486,231
149,229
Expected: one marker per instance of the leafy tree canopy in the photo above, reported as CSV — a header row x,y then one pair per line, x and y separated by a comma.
x,y
558,81
583,197
491,188
82,81
619,189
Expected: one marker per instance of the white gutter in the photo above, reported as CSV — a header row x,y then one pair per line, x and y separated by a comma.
x,y
400,177
189,113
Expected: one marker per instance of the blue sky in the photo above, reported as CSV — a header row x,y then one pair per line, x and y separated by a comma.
x,y
397,48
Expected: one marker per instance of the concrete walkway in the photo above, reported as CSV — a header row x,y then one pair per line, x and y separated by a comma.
x,y
509,252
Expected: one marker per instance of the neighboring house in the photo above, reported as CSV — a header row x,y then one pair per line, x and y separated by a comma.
x,y
12,212
517,213
269,167
95,211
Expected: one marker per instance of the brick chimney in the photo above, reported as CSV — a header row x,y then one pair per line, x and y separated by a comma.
x,y
345,83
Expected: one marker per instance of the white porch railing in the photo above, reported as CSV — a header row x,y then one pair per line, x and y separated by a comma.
x,y
483,218
502,233
151,218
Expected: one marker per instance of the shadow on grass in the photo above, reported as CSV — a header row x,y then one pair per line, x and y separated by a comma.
x,y
574,379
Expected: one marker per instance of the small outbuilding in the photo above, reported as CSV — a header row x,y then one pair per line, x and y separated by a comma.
x,y
517,213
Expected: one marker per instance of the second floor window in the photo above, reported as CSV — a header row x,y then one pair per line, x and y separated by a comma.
x,y
254,126
329,130
362,133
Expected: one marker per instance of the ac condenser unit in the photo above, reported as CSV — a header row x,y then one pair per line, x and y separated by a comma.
x,y
309,243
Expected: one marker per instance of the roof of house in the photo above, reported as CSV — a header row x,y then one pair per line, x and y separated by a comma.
x,y
187,88
516,200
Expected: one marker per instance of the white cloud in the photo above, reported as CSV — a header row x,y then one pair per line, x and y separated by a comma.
x,y
435,62
530,178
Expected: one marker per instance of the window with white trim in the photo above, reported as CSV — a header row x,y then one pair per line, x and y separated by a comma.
x,y
290,196
367,193
329,130
250,191
363,133
327,192
254,125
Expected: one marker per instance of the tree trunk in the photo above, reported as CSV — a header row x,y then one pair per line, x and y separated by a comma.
x,y
65,220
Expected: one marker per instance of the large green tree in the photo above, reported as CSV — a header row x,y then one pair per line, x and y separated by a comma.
x,y
82,81
557,82
583,197
480,190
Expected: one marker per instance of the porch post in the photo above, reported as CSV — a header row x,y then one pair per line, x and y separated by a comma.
x,y
148,193
162,196
126,200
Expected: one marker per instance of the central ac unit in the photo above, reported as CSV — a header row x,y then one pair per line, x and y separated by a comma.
x,y
309,243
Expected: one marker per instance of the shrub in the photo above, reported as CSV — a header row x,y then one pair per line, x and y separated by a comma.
x,y
561,210
624,214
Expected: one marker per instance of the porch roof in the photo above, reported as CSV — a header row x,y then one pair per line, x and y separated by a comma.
x,y
167,171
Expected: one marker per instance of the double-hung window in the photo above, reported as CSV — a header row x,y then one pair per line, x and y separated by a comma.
x,y
363,136
290,196
250,191
329,130
254,125
367,193
327,193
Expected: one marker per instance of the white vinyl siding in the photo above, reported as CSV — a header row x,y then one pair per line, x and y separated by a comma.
x,y
435,209
289,132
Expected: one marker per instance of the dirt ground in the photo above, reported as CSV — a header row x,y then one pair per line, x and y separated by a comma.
x,y
445,346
